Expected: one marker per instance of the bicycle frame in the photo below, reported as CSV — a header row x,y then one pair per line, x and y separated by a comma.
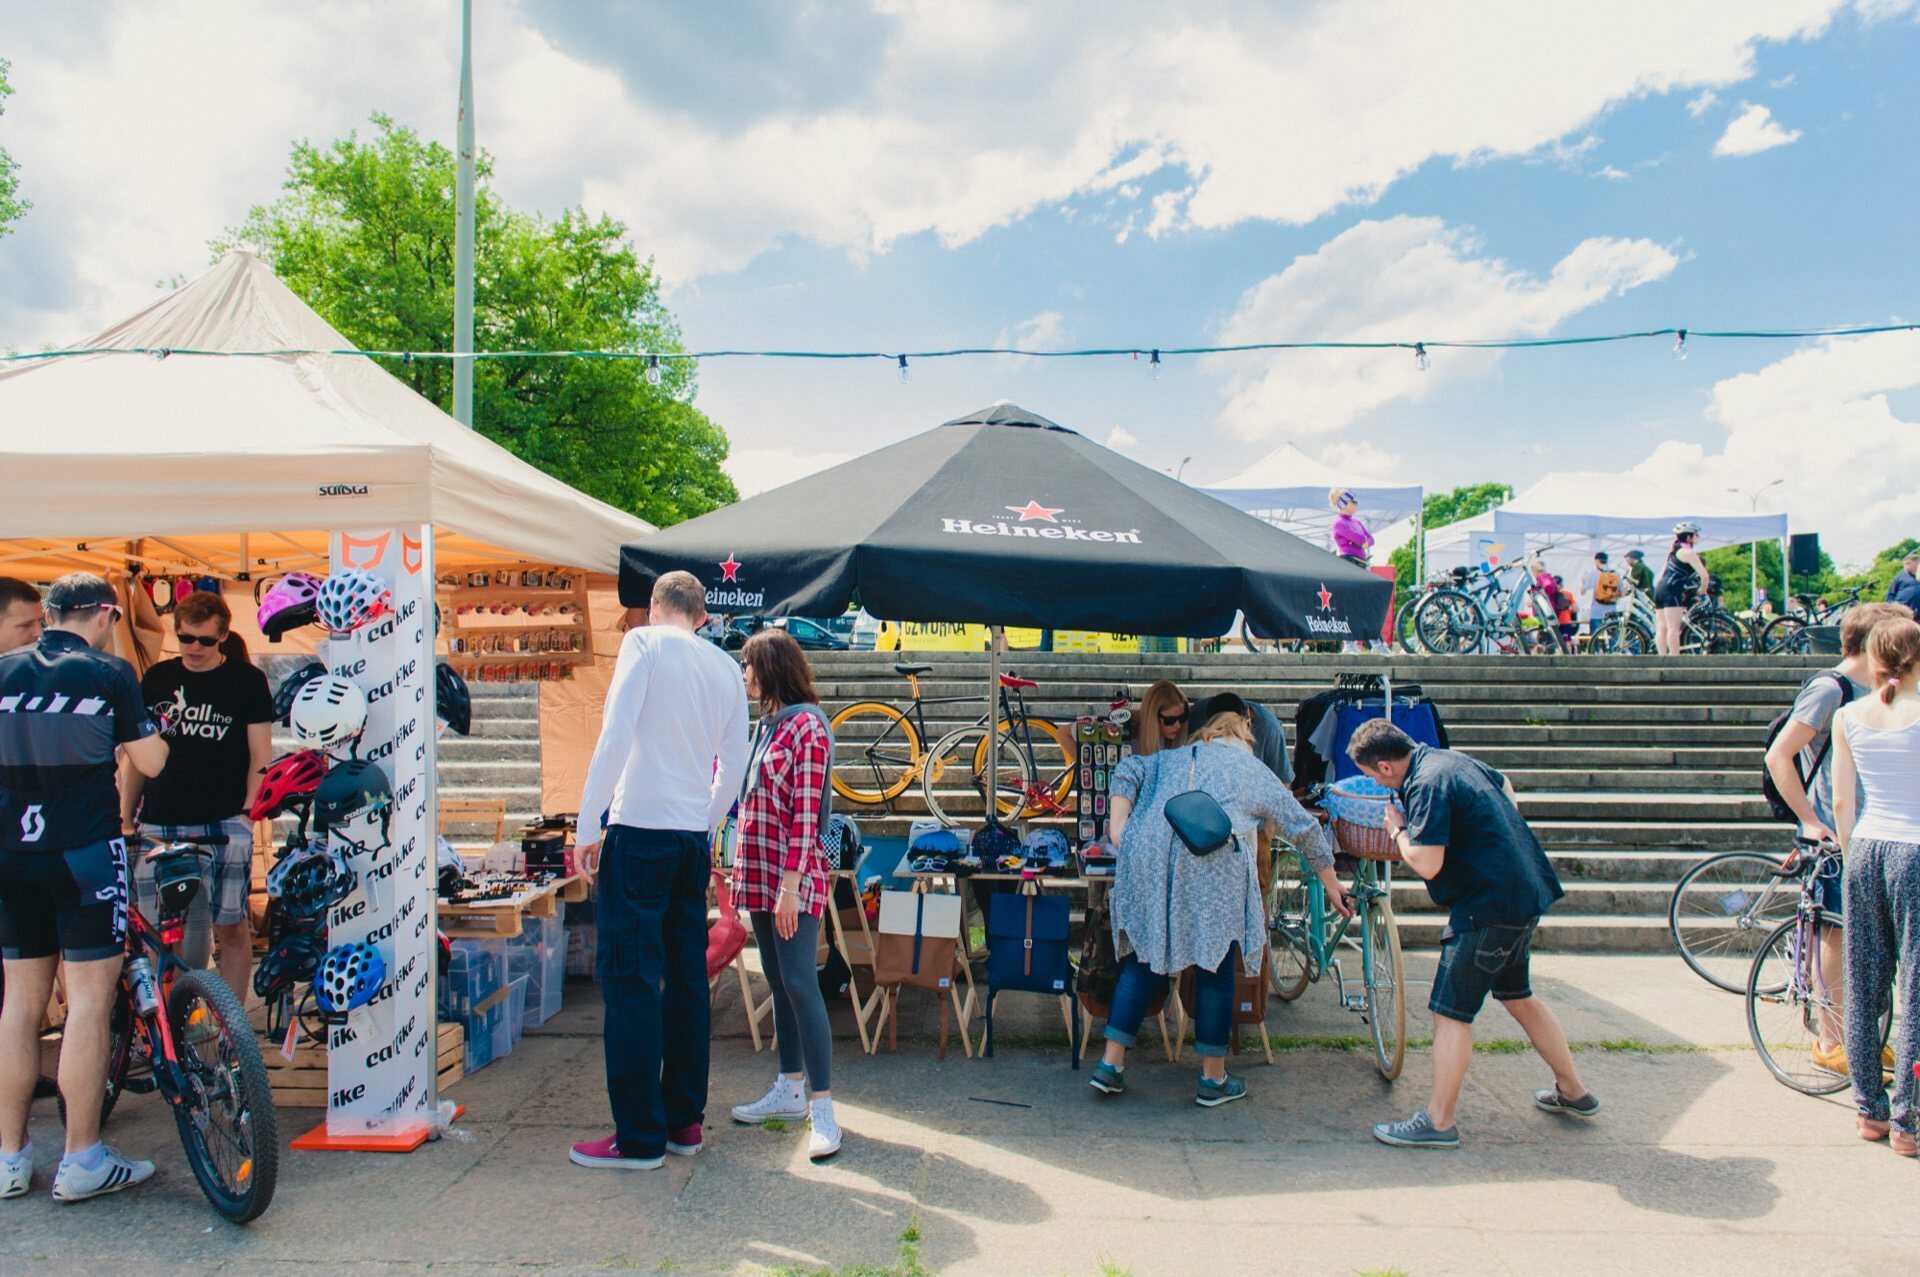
x,y
1326,930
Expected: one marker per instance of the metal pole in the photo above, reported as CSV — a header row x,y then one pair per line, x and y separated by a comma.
x,y
463,231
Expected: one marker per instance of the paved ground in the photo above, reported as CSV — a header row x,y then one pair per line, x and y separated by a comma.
x,y
1701,1164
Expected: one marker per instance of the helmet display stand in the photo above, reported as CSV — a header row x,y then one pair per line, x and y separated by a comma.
x,y
381,1061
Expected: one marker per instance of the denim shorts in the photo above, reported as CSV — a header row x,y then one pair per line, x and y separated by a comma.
x,y
1478,962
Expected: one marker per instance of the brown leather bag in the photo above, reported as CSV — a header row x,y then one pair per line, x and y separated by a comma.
x,y
918,943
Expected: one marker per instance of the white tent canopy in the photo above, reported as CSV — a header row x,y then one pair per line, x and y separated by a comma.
x,y
1288,489
108,447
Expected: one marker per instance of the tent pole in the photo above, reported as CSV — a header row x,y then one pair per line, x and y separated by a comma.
x,y
995,634
463,231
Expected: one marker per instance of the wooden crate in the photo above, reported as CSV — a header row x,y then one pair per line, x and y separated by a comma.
x,y
302,1081
507,918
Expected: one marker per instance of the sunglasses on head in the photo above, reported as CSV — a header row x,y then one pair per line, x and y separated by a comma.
x,y
203,640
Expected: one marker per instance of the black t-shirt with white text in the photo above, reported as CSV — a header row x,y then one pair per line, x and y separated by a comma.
x,y
204,718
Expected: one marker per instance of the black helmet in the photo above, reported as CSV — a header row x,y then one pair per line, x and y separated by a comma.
x,y
451,700
352,789
290,964
291,685
310,880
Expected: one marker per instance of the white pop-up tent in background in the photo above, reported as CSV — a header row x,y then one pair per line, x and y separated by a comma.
x,y
1289,489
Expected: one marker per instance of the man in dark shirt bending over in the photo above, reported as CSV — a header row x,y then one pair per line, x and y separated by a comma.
x,y
1462,833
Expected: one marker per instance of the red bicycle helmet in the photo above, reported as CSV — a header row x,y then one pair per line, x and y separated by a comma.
x,y
288,779
350,599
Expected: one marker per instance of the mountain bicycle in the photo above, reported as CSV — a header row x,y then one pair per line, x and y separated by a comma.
x,y
1789,633
1490,610
196,1047
1628,629
1032,775
1307,935
1790,1004
1722,911
1710,630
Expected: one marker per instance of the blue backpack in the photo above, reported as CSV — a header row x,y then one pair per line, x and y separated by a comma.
x,y
1027,953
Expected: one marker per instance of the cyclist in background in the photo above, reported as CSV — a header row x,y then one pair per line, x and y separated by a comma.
x,y
1684,576
64,709
21,614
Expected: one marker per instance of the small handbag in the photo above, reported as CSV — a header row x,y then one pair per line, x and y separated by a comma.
x,y
1197,817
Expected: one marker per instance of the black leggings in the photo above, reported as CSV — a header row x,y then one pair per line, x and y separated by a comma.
x,y
799,1009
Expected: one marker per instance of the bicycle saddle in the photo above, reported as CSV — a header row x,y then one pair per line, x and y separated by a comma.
x,y
910,671
1008,680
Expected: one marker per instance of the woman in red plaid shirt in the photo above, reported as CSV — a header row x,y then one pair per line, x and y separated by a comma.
x,y
780,878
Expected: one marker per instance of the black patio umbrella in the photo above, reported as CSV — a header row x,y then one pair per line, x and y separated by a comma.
x,y
1002,517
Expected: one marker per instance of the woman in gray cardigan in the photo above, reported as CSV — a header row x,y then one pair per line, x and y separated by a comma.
x,y
1173,910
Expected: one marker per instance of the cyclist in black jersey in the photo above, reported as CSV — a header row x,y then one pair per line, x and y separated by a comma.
x,y
65,709
1680,580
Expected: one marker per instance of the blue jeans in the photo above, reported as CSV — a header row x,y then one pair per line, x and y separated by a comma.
x,y
1139,984
652,964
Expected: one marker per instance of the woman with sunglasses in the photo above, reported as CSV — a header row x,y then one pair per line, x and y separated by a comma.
x,y
216,714
1162,720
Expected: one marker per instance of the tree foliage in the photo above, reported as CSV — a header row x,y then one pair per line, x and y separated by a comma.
x,y
12,206
1439,509
364,233
1734,568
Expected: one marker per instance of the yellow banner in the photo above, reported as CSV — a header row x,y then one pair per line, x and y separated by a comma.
x,y
948,636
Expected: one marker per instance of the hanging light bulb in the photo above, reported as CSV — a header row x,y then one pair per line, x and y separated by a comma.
x,y
653,370
905,376
1420,359
1153,366
1680,344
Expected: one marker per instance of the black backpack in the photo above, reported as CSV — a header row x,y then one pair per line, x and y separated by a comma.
x,y
1776,802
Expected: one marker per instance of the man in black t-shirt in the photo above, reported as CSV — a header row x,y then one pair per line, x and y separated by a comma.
x,y
1464,834
216,713
65,708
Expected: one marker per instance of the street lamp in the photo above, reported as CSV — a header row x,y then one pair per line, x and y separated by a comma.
x,y
1753,547
1182,470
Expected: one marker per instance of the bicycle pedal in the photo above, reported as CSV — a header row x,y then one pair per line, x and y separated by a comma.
x,y
140,1085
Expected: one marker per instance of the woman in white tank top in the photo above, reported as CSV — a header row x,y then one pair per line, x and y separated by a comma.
x,y
1878,741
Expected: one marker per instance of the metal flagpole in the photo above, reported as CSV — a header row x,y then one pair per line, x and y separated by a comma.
x,y
463,231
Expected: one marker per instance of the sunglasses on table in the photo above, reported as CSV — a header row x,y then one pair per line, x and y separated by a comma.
x,y
201,640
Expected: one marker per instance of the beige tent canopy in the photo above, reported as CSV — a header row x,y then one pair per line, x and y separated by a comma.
x,y
240,463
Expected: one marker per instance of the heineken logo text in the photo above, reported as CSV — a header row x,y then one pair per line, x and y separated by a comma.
x,y
1052,532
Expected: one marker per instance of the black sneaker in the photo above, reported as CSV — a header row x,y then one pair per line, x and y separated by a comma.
x,y
1553,1102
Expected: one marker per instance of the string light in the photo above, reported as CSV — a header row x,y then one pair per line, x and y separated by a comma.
x,y
905,376
653,370
1153,366
1420,358
1680,345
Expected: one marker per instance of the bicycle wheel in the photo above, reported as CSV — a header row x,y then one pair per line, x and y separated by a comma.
x,y
1404,630
1052,766
1723,909
877,752
1448,623
1254,642
952,781
1711,634
1383,976
225,1109
1787,999
1291,969
1622,636
1785,634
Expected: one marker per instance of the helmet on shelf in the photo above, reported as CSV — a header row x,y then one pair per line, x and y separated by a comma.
x,y
288,605
351,598
352,789
348,978
288,965
289,779
310,880
327,712
290,687
451,700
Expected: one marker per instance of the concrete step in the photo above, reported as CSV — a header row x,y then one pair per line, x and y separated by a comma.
x,y
489,774
461,749
1662,866
479,691
1686,757
1595,899
1562,932
1610,735
1288,695
1640,779
1698,836
1605,806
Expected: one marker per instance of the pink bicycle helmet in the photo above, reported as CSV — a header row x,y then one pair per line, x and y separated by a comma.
x,y
288,605
350,599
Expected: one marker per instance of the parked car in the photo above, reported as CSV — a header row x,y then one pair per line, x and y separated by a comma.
x,y
814,636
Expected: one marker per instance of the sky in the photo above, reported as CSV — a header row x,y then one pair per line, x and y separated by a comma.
x,y
893,175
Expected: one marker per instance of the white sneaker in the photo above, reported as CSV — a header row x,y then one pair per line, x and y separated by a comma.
x,y
785,1100
73,1184
825,1140
16,1173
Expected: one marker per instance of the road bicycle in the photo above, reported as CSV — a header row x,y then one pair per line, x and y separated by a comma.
x,y
1494,610
1790,1004
1308,935
1789,633
1723,909
880,751
194,1044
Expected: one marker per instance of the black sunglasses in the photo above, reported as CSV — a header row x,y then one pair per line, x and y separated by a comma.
x,y
1168,720
202,640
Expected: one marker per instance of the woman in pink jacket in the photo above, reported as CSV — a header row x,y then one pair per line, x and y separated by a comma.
x,y
1351,539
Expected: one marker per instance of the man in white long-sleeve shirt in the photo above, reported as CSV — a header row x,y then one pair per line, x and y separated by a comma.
x,y
673,747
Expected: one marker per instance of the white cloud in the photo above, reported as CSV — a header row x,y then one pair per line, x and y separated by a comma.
x,y
1700,105
1121,439
1040,332
1752,131
1361,458
1821,419
756,470
1786,81
1612,174
143,134
1402,279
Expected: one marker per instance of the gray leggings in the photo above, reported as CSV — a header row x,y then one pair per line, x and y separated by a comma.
x,y
1883,942
799,1010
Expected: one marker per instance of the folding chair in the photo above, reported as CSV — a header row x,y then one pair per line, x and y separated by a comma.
x,y
854,938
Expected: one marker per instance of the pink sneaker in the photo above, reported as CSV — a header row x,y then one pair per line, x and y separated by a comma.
x,y
685,1141
605,1155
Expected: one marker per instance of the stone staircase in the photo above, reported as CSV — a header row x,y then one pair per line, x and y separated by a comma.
x,y
1630,770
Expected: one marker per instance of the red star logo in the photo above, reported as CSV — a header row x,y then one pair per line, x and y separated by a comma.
x,y
1326,598
1034,510
730,570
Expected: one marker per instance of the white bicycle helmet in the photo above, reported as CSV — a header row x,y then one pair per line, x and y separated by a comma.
x,y
1686,528
327,713
350,599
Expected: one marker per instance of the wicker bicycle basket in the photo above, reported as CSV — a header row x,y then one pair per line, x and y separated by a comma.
x,y
1364,842
1359,810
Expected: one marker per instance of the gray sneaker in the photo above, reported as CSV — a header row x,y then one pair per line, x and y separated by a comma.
x,y
1107,1080
1553,1102
1417,1131
1209,1094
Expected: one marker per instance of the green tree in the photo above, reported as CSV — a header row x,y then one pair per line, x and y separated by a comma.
x,y
1732,565
365,235
11,203
1438,510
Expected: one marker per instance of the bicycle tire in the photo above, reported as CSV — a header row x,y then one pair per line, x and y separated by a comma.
x,y
1291,968
237,1081
1736,887
1012,777
883,721
1711,634
1622,637
1051,787
1449,623
1785,634
1382,944
1254,642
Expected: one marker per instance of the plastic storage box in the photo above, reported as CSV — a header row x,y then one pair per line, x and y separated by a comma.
x,y
516,1012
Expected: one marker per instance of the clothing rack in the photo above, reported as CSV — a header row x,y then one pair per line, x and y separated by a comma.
x,y
1369,683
